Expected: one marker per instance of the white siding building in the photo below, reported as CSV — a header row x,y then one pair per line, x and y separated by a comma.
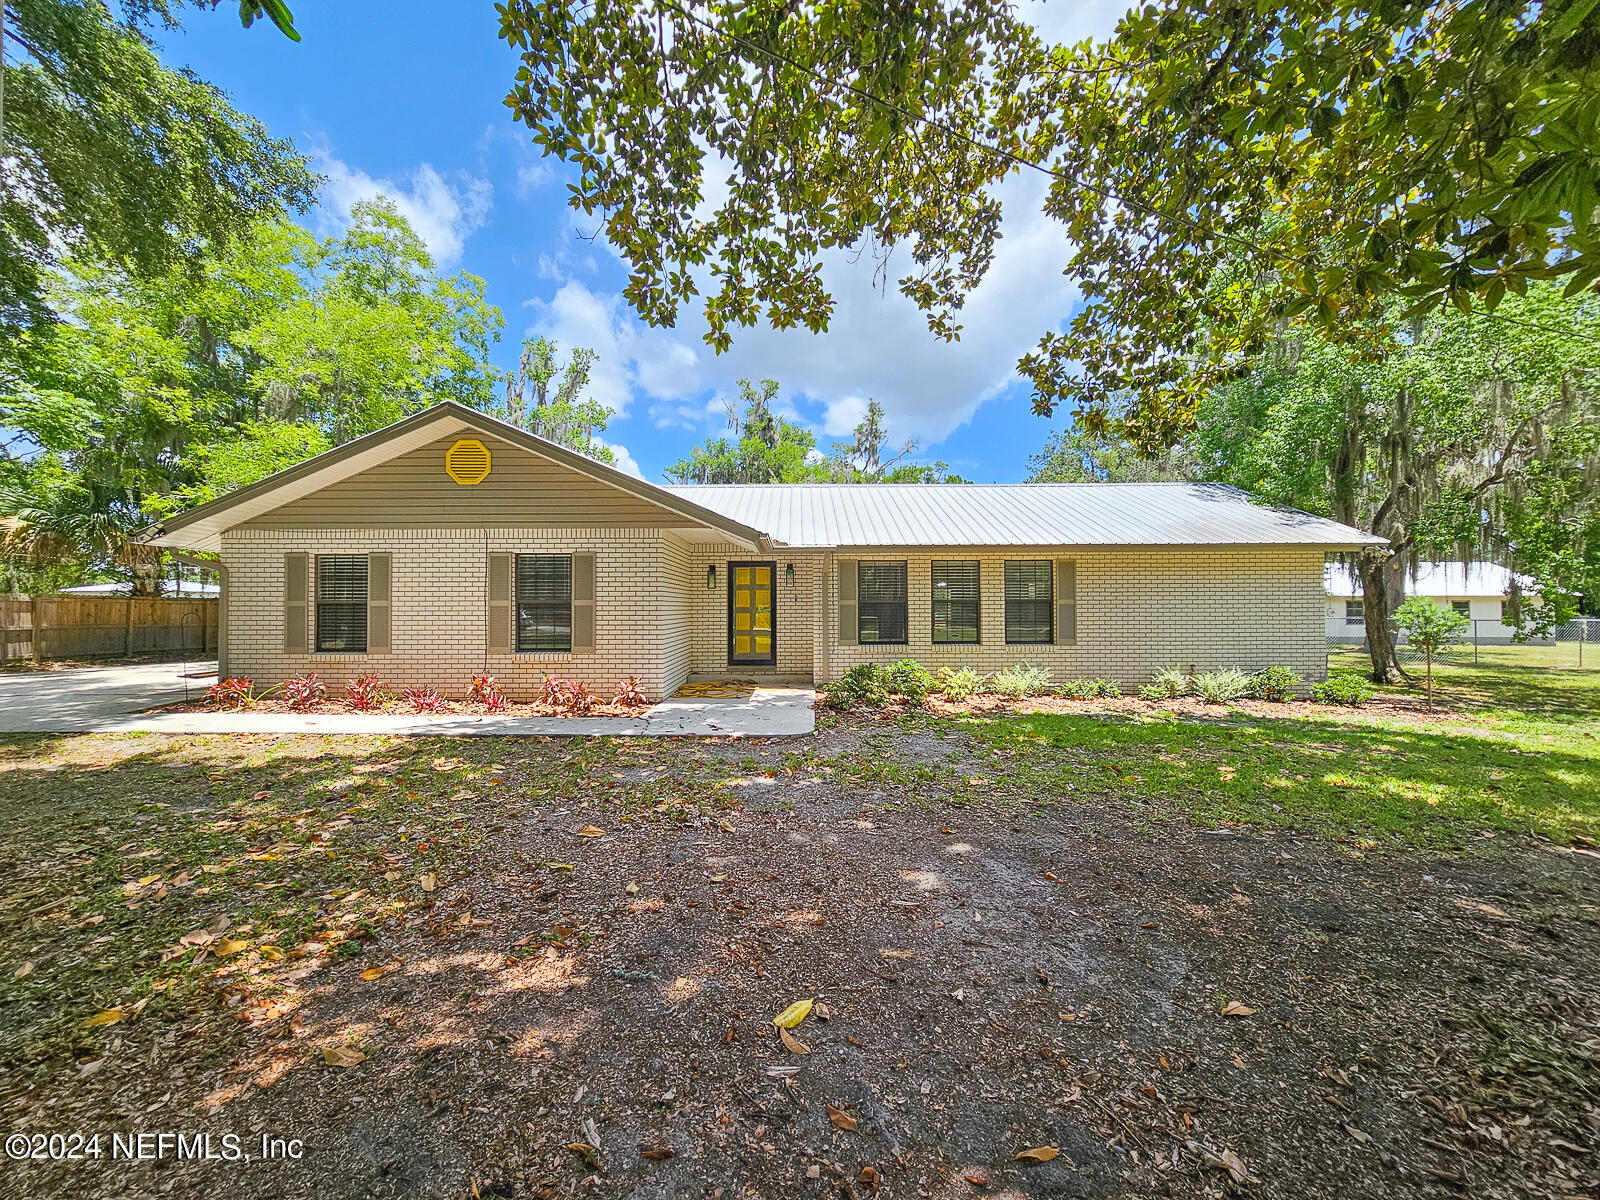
x,y
1478,591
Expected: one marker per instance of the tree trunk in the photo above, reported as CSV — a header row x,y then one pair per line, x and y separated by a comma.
x,y
1376,609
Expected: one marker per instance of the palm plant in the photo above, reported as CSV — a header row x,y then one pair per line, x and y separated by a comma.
x,y
70,526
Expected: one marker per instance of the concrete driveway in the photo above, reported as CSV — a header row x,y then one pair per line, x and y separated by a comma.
x,y
115,700
91,699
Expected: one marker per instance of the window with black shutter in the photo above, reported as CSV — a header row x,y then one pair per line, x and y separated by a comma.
x,y
544,602
342,603
955,602
1028,602
881,604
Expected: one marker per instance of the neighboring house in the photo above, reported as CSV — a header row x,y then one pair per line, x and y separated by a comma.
x,y
451,543
1478,591
183,589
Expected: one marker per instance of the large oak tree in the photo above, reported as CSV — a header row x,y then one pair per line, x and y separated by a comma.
x,y
1361,157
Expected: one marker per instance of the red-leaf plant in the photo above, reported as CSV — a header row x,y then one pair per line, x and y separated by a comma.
x,y
303,693
364,693
236,691
423,700
630,694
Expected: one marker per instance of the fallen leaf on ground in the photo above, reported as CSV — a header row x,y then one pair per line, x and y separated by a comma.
x,y
868,1176
591,831
584,1151
793,1015
841,1119
23,971
110,1017
791,1043
428,881
342,1056
272,953
1038,1154
656,1153
372,973
1234,1009
1225,1160
228,947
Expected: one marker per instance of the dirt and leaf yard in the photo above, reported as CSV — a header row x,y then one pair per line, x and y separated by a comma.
x,y
1068,953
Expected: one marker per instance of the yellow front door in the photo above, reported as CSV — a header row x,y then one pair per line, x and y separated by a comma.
x,y
751,637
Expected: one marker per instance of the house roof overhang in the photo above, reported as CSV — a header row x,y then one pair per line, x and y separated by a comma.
x,y
201,528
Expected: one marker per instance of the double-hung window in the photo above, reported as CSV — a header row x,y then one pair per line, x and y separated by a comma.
x,y
544,602
881,594
1029,600
955,602
1355,612
342,603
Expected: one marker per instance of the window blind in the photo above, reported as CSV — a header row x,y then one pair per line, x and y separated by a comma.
x,y
881,603
342,603
544,602
1028,602
955,602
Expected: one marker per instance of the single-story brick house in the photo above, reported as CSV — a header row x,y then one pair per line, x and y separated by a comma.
x,y
451,543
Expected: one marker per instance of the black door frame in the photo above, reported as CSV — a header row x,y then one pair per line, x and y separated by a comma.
x,y
772,659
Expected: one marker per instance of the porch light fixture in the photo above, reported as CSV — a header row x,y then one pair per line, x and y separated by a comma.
x,y
788,575
711,578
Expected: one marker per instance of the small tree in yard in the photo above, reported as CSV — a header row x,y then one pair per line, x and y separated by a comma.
x,y
1430,627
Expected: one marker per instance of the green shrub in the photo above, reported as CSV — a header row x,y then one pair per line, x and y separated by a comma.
x,y
1275,683
959,683
866,684
910,680
1091,689
1218,687
1020,680
1350,690
1168,684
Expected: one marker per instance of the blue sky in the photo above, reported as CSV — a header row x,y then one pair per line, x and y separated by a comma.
x,y
394,97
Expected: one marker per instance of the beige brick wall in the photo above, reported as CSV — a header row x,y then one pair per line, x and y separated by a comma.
x,y
438,610
708,610
1138,611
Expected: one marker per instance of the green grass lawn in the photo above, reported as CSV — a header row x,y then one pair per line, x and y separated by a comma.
x,y
1509,750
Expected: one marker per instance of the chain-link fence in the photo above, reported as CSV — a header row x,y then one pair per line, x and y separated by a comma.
x,y
1574,646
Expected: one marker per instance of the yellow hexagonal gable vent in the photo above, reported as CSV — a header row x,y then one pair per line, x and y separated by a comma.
x,y
467,461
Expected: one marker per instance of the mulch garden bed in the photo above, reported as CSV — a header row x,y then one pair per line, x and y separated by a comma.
x,y
334,706
1401,705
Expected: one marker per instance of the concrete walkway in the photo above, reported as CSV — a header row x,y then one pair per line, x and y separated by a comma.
x,y
116,700
84,699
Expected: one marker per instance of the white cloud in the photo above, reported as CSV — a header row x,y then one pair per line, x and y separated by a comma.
x,y
843,415
877,346
625,461
629,357
1064,22
443,213
531,177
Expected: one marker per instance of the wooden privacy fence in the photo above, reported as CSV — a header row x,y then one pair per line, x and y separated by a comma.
x,y
45,628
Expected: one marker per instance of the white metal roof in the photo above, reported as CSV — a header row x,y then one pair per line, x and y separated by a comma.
x,y
1022,514
1452,580
184,589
